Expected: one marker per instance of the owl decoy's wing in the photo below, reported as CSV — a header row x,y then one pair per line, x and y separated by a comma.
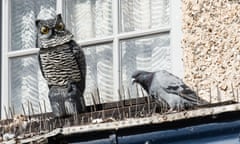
x,y
81,62
40,65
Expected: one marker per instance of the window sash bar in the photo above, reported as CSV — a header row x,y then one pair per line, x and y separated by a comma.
x,y
116,50
59,6
176,35
97,41
136,34
5,99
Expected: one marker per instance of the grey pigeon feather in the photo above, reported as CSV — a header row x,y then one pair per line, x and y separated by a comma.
x,y
165,86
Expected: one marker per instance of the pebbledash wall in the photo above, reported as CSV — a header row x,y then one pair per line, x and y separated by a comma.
x,y
211,45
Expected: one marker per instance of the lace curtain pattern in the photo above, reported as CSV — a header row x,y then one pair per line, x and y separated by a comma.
x,y
27,86
88,19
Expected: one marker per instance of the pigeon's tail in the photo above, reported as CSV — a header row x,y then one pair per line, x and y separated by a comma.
x,y
192,97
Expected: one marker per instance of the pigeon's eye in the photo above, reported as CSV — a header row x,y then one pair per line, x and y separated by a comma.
x,y
59,26
44,29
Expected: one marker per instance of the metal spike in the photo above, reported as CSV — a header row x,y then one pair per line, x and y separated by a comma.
x,y
32,108
82,120
197,92
233,94
136,109
164,107
94,101
210,95
218,94
237,95
119,94
129,112
154,108
119,114
123,92
142,92
113,113
29,111
76,117
6,114
30,126
41,117
40,108
13,110
54,123
45,108
148,103
103,114
24,112
142,111
45,111
137,90
11,113
98,96
129,96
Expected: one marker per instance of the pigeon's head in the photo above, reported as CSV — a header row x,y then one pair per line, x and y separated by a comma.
x,y
143,78
137,76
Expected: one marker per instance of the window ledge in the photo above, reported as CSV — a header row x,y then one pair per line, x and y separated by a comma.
x,y
136,125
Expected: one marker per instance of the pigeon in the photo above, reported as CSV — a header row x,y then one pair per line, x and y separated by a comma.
x,y
164,86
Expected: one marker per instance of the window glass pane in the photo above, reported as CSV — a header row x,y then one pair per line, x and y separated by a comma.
x,y
149,53
89,18
144,14
23,16
27,84
99,73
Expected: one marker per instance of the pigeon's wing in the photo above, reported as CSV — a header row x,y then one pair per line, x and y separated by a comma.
x,y
172,84
81,62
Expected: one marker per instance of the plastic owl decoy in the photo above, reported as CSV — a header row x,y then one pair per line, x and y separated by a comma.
x,y
62,63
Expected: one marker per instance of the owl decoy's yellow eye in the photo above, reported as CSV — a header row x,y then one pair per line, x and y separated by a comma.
x,y
44,29
59,26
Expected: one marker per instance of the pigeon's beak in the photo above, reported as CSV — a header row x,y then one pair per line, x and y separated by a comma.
x,y
133,80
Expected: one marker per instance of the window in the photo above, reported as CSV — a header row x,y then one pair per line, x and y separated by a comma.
x,y
118,37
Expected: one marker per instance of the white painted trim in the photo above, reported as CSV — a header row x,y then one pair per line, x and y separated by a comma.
x,y
5,63
175,38
116,49
96,41
24,52
135,34
59,6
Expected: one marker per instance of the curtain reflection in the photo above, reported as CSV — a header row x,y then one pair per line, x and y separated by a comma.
x,y
92,19
99,73
89,18
144,14
27,85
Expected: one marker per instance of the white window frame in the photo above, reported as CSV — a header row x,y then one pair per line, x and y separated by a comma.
x,y
175,44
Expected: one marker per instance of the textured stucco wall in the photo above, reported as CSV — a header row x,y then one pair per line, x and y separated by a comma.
x,y
211,45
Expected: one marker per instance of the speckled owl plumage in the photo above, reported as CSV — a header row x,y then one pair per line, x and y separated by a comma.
x,y
63,65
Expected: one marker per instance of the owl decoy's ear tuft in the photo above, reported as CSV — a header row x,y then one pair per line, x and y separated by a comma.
x,y
37,22
59,16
